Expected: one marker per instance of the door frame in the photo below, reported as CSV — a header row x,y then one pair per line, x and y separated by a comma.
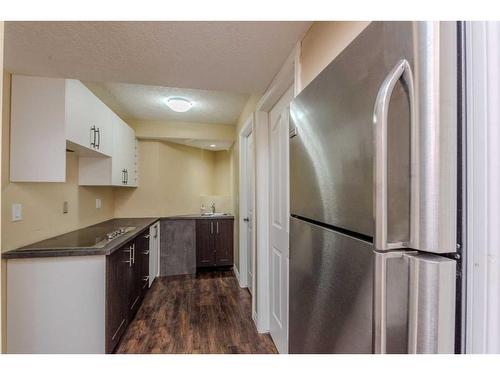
x,y
482,209
242,271
286,77
284,101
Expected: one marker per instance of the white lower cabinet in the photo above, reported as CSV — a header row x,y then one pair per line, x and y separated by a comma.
x,y
121,168
56,305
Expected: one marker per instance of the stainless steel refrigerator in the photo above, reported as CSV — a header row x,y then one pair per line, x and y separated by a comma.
x,y
373,169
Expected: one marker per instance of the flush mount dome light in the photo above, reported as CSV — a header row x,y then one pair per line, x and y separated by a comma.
x,y
213,146
179,104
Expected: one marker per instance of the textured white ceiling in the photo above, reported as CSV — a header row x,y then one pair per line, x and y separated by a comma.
x,y
140,102
239,57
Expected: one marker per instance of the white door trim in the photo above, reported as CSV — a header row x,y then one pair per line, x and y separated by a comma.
x,y
483,188
280,84
242,272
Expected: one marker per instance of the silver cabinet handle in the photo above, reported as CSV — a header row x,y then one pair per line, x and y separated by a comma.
x,y
92,136
146,236
380,115
130,252
217,227
212,227
133,253
146,252
146,281
98,143
135,301
118,329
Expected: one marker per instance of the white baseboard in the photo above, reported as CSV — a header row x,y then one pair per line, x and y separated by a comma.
x,y
237,274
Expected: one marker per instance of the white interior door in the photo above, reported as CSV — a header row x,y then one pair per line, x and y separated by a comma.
x,y
279,220
249,216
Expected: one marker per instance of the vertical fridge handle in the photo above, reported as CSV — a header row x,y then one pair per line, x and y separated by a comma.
x,y
379,334
379,306
431,304
380,117
428,304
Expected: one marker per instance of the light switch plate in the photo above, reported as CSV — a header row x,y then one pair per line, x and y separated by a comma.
x,y
65,207
98,203
17,211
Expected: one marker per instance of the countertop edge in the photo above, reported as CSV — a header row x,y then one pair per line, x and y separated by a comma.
x,y
198,217
107,250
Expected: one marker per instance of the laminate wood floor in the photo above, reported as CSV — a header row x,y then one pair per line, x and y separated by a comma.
x,y
206,313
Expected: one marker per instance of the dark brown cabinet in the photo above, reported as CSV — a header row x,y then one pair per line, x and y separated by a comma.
x,y
205,244
127,280
117,309
214,243
224,243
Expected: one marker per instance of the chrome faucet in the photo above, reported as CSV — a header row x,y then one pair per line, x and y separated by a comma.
x,y
213,207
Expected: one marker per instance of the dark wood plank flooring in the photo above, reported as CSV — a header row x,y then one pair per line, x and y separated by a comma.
x,y
206,313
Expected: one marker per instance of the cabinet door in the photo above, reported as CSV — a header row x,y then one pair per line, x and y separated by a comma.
x,y
144,253
224,242
118,162
80,129
123,163
205,244
103,122
37,130
154,251
135,280
129,156
117,272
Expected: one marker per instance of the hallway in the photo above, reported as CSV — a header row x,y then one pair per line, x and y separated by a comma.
x,y
207,313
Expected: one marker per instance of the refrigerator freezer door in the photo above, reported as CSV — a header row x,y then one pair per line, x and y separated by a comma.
x,y
413,303
331,282
334,143
331,156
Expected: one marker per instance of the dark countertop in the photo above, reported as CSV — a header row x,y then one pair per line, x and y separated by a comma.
x,y
68,244
42,249
198,217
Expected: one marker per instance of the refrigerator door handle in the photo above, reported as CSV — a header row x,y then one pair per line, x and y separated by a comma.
x,y
380,116
431,307
379,337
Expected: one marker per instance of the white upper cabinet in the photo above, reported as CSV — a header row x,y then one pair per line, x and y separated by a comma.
x,y
88,120
50,115
121,168
37,132
125,146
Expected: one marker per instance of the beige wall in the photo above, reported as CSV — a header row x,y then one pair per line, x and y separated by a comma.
x,y
234,163
167,130
322,43
222,173
172,180
42,203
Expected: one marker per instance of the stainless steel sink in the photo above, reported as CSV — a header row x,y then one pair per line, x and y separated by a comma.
x,y
214,214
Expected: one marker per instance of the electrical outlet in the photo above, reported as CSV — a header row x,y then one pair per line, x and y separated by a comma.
x,y
98,203
17,211
65,207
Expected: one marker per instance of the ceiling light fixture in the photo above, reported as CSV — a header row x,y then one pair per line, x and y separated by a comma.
x,y
213,146
179,104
